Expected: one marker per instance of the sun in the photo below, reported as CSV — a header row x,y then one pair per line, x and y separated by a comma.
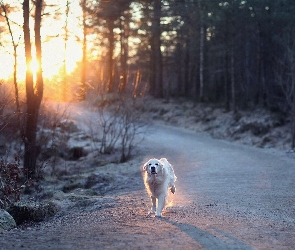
x,y
54,56
53,59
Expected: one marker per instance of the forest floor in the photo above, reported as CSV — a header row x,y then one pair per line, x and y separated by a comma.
x,y
229,196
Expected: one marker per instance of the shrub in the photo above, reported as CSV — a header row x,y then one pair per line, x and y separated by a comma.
x,y
10,177
120,122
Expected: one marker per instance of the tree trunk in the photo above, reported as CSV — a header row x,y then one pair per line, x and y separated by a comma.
x,y
3,6
202,42
232,76
156,60
65,78
178,69
84,61
293,118
110,87
291,56
187,62
226,84
39,78
124,51
34,94
16,87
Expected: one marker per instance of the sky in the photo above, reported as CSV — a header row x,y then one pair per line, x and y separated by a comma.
x,y
53,45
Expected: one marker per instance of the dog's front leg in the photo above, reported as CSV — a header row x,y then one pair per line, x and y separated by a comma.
x,y
153,209
161,204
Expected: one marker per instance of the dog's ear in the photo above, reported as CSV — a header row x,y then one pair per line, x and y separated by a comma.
x,y
144,168
162,168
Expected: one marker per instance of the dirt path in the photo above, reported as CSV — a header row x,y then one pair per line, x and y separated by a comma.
x,y
228,197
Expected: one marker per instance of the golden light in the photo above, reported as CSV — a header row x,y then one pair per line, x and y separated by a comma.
x,y
53,58
6,66
34,66
54,54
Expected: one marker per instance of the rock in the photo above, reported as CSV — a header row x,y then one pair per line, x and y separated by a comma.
x,y
2,145
72,184
59,195
77,152
98,181
31,212
93,179
6,221
68,125
80,194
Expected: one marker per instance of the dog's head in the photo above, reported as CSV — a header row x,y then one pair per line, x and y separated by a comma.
x,y
153,167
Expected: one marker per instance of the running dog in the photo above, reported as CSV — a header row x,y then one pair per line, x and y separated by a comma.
x,y
159,177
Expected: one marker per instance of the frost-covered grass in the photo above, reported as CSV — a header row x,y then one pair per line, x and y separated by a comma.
x,y
258,127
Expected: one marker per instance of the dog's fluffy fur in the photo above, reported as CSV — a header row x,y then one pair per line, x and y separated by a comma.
x,y
159,177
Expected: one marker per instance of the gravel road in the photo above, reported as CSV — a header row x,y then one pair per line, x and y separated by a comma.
x,y
228,196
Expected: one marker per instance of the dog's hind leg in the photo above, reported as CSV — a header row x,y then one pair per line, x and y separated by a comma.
x,y
173,189
153,209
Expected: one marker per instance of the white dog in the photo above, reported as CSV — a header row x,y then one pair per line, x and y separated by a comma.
x,y
159,176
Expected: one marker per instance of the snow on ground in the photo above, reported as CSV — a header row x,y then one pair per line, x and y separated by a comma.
x,y
258,127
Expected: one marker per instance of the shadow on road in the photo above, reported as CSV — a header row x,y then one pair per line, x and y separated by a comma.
x,y
218,240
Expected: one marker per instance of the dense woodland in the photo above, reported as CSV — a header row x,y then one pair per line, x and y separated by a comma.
x,y
239,54
236,54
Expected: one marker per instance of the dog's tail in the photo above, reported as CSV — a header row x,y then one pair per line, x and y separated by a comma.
x,y
165,161
170,169
171,174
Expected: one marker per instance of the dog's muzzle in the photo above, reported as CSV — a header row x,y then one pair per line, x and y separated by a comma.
x,y
153,170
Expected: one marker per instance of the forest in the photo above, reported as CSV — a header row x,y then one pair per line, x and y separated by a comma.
x,y
239,55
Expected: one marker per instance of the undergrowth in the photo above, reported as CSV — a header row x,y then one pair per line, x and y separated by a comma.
x,y
10,179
